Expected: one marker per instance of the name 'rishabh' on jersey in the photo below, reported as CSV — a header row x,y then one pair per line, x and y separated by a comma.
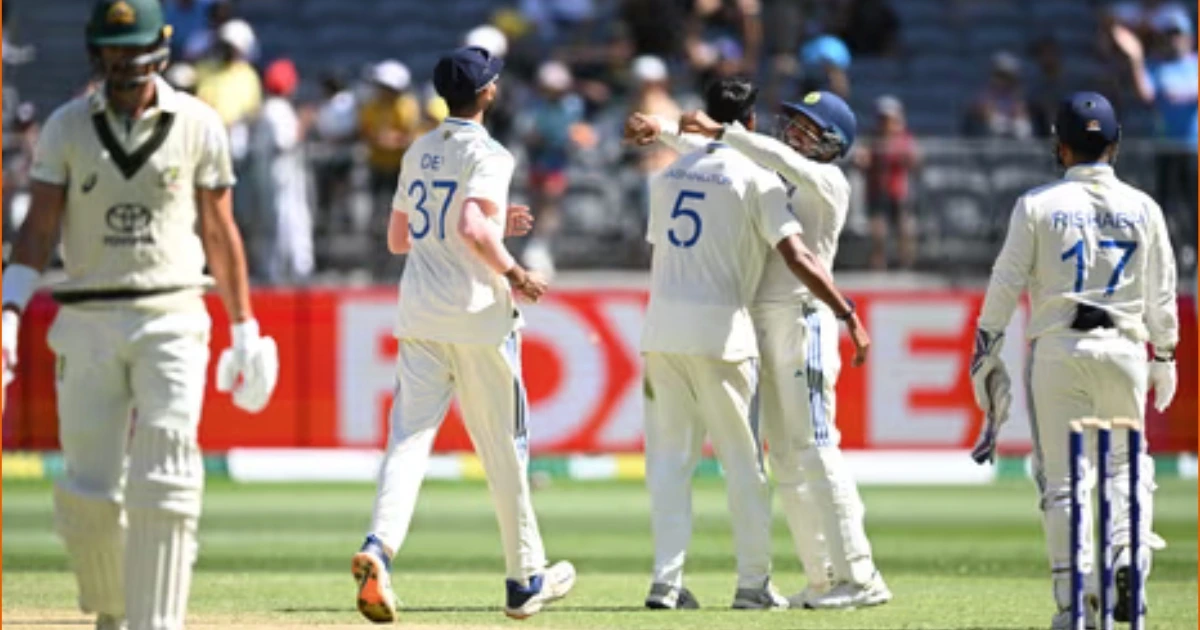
x,y
447,293
714,218
1089,238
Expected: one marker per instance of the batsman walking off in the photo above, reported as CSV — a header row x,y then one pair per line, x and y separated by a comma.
x,y
1094,255
127,173
458,331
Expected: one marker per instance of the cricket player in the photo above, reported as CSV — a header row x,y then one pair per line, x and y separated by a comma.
x,y
714,218
1094,255
137,177
798,340
458,332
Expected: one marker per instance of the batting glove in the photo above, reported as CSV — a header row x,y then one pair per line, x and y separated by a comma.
x,y
11,327
249,369
992,387
1163,380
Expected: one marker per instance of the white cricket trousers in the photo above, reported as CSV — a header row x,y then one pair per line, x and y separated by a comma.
x,y
130,386
687,398
491,393
800,363
1070,377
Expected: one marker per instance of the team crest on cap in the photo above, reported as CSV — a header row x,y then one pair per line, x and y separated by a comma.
x,y
121,13
812,98
1093,125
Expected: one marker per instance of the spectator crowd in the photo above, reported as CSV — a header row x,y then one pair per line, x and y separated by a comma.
x,y
318,156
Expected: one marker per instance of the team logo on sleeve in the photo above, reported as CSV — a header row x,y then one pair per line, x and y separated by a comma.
x,y
129,225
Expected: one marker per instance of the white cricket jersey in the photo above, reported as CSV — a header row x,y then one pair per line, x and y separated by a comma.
x,y
447,292
131,214
1089,238
818,195
714,218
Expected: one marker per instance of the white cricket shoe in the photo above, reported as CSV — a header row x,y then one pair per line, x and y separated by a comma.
x,y
762,598
851,595
812,591
109,622
372,570
551,585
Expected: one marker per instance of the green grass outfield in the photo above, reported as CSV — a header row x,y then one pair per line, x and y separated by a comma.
x,y
278,555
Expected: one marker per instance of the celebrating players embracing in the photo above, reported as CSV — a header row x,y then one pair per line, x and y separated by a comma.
x,y
714,218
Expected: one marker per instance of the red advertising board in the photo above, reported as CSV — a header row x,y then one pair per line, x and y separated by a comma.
x,y
583,374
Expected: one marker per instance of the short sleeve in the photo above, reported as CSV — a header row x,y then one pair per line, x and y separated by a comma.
x,y
214,169
775,221
50,155
400,197
490,177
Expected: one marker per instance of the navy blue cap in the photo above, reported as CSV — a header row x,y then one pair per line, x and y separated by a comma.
x,y
459,76
1086,122
830,113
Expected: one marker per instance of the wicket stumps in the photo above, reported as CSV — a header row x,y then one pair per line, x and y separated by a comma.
x,y
1079,494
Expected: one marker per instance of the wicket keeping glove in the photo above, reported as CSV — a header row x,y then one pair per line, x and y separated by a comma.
x,y
992,386
249,369
1163,379
11,326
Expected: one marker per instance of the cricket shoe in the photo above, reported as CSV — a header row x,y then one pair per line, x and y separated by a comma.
x,y
761,598
373,571
812,591
851,595
667,597
1123,607
553,584
1062,618
109,622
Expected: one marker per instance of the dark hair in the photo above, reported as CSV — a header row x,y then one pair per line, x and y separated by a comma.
x,y
731,100
461,107
1089,156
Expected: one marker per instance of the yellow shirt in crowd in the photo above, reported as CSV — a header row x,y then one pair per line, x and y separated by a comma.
x,y
402,114
234,90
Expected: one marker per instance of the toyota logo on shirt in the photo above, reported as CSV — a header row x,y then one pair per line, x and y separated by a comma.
x,y
130,225
128,218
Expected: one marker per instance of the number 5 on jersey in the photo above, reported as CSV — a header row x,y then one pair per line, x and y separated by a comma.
x,y
418,188
691,216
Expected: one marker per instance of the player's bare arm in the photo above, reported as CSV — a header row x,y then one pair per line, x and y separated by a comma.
x,y
399,240
31,253
808,269
483,235
223,248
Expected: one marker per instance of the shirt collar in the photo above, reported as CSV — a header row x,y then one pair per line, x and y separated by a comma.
x,y
461,122
166,99
1086,172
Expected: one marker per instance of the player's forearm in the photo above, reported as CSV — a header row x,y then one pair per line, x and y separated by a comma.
x,y
485,238
1141,81
225,254
808,269
680,143
1003,293
33,246
38,234
770,154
